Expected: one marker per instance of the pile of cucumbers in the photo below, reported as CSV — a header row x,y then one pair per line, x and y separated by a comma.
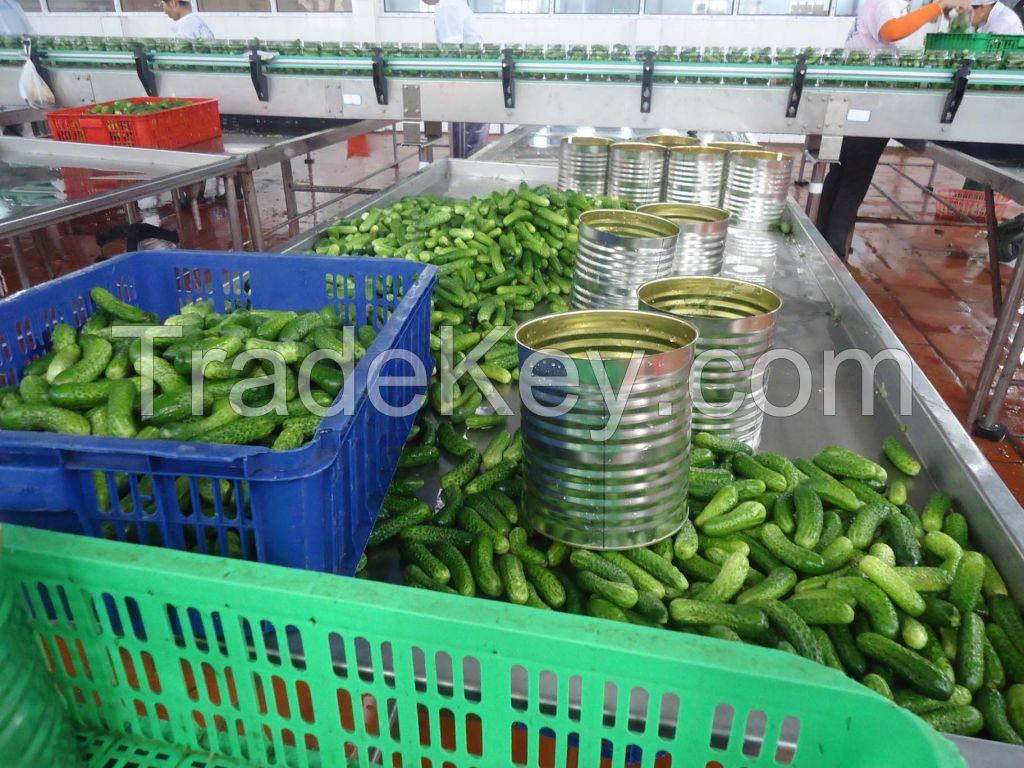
x,y
497,256
130,107
92,379
820,557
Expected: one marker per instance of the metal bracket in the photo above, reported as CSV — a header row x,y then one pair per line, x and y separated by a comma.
x,y
37,62
411,102
146,76
380,82
258,75
508,80
796,88
955,96
647,83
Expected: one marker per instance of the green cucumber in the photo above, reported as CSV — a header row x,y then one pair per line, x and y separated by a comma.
x,y
641,579
862,530
958,721
821,611
922,675
513,578
874,602
965,591
810,517
435,535
749,467
1009,655
779,582
109,303
603,609
547,585
842,462
585,560
784,514
890,582
993,709
622,595
481,561
747,620
416,553
900,457
970,653
120,408
798,558
849,654
1005,613
659,568
748,514
720,444
793,628
391,527
935,510
96,353
684,545
729,581
46,418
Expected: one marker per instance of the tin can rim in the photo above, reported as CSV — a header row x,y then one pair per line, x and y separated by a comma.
x,y
672,140
534,334
735,146
761,154
588,141
652,291
687,212
631,223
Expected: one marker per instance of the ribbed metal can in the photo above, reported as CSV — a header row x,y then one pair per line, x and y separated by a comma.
x,y
618,252
636,171
756,187
730,147
702,230
694,175
583,164
673,140
734,317
750,255
594,479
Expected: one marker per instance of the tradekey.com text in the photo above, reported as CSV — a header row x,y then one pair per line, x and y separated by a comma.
x,y
268,378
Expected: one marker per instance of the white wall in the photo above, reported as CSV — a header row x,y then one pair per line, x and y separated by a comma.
x,y
364,24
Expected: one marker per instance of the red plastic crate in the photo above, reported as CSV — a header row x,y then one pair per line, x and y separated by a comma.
x,y
969,201
83,182
168,129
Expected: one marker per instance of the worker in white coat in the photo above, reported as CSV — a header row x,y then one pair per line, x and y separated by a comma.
x,y
13,20
185,25
993,17
879,26
455,24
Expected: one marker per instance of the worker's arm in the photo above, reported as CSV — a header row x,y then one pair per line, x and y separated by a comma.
x,y
470,31
905,26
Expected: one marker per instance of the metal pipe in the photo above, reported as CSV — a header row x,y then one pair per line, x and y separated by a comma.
x,y
233,217
252,211
290,205
19,263
995,405
993,249
960,214
999,336
895,203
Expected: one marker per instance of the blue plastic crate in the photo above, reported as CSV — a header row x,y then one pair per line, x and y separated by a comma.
x,y
310,508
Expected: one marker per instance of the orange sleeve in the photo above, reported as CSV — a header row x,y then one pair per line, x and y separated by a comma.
x,y
904,26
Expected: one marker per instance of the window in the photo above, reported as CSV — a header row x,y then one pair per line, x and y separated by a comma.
x,y
783,7
695,7
234,6
140,6
81,6
847,7
478,6
597,6
32,6
313,6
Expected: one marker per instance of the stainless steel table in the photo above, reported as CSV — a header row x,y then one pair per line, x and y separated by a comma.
x,y
825,314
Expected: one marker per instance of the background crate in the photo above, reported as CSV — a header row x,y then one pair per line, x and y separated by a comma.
x,y
313,507
83,182
167,129
970,201
306,669
975,42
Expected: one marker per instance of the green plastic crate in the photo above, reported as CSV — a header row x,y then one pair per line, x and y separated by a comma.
x,y
976,42
171,659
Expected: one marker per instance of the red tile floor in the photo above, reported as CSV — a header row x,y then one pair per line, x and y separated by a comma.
x,y
930,282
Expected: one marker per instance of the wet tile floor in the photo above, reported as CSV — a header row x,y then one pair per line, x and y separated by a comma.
x,y
931,282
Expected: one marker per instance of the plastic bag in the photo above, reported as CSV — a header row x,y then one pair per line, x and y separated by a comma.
x,y
33,88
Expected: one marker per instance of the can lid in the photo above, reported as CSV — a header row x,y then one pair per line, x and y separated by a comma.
x,y
637,146
697,150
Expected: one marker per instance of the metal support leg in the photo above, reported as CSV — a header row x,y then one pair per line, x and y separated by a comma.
x,y
19,263
394,146
987,425
176,202
252,211
309,177
1000,334
818,171
39,243
131,212
993,250
931,175
233,218
291,207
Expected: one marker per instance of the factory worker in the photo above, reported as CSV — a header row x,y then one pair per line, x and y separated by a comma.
x,y
993,17
455,24
13,20
185,25
879,26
